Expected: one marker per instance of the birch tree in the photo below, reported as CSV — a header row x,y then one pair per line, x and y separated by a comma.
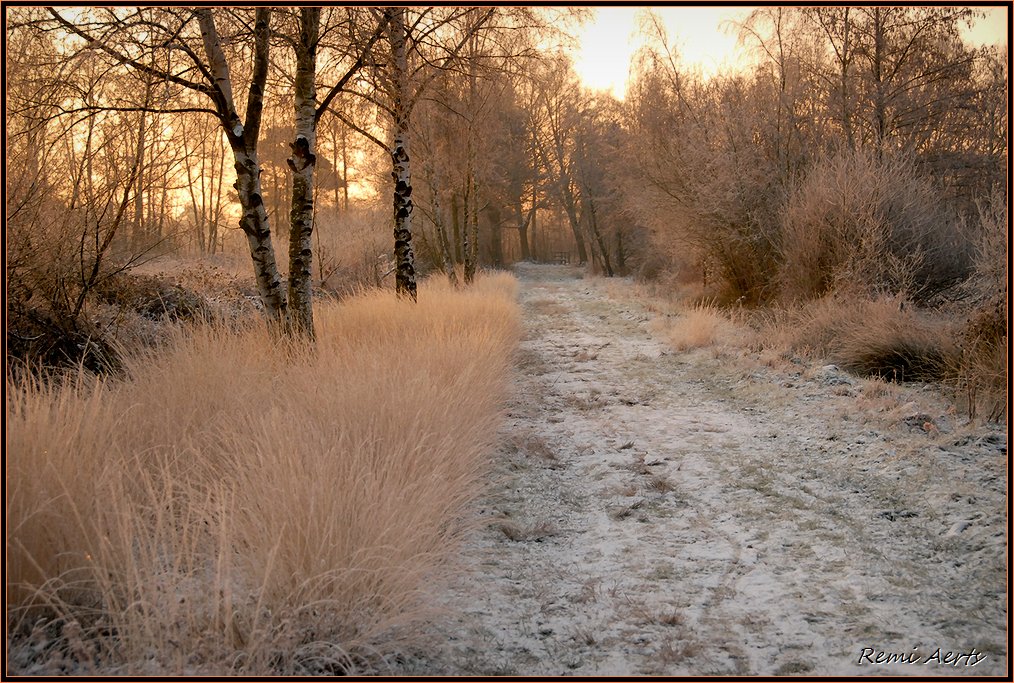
x,y
303,160
161,45
168,54
419,47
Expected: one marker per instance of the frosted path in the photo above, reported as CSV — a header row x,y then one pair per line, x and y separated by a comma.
x,y
703,514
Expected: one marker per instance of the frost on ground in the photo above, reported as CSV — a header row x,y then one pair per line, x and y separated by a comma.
x,y
705,513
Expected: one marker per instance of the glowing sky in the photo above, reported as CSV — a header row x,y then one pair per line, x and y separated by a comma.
x,y
703,37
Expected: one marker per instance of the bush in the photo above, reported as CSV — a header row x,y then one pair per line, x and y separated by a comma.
x,y
885,337
982,369
152,298
865,226
701,325
39,341
981,374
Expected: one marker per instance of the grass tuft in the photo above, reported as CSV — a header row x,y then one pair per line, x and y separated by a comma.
x,y
882,338
239,504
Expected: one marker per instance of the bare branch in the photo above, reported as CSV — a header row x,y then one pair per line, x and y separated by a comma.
x,y
369,136
127,61
359,63
451,56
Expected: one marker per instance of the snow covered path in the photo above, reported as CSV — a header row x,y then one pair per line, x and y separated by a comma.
x,y
706,514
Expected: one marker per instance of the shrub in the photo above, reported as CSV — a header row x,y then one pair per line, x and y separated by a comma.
x,y
982,368
151,297
885,337
867,225
38,340
981,373
701,325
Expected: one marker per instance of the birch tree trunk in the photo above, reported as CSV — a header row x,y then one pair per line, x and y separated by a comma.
x,y
405,283
243,141
302,163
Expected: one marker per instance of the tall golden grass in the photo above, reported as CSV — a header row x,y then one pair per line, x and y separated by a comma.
x,y
241,504
882,337
693,325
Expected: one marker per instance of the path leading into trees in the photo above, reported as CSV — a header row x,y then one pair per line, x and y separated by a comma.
x,y
707,514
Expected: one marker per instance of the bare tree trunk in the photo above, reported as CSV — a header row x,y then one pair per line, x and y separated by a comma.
x,y
533,222
340,148
137,236
345,170
571,208
441,226
621,254
302,164
603,251
216,214
846,115
255,225
163,202
567,195
243,141
456,223
495,234
879,101
101,246
471,248
523,223
471,187
405,284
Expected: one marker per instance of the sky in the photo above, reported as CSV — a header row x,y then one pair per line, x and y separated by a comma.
x,y
703,37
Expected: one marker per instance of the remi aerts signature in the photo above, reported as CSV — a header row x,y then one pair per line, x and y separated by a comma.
x,y
870,655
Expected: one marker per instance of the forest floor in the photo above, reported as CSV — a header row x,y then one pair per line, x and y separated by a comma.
x,y
712,513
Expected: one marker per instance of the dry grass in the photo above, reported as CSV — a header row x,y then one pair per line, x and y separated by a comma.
x,y
698,327
880,338
661,484
241,505
981,373
701,325
352,249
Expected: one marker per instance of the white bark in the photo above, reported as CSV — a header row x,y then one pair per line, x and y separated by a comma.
x,y
402,171
243,141
302,163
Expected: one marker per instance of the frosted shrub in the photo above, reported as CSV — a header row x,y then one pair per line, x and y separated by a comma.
x,y
867,225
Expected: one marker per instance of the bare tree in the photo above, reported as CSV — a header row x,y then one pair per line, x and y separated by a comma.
x,y
166,37
417,52
558,100
303,160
